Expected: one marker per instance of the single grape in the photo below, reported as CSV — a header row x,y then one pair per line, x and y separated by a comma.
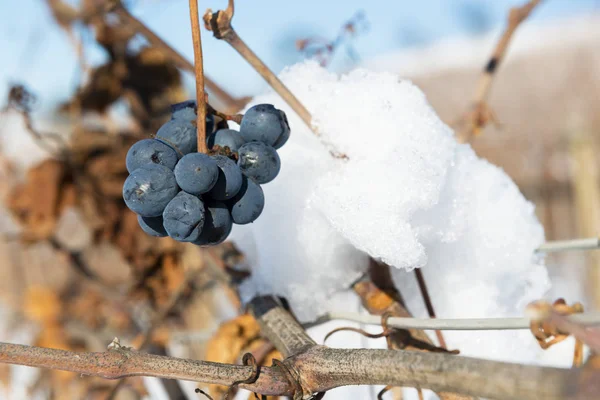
x,y
248,204
183,217
226,138
180,134
217,224
148,189
259,161
229,181
153,226
264,123
185,110
196,173
148,151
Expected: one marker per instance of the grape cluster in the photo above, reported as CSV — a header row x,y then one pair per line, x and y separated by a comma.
x,y
195,197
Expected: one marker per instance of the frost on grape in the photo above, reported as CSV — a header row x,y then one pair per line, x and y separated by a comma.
x,y
409,195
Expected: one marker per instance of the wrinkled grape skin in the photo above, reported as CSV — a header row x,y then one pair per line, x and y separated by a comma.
x,y
229,181
187,111
248,204
217,224
183,217
150,151
149,189
180,134
196,173
264,123
259,162
226,138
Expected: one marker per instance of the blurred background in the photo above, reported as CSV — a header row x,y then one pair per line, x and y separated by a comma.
x,y
77,88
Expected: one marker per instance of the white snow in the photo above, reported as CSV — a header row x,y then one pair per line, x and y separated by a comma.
x,y
409,195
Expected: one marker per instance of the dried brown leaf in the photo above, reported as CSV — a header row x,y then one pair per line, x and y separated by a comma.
x,y
35,203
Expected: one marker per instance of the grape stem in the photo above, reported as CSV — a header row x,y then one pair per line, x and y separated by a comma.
x,y
219,24
232,104
199,71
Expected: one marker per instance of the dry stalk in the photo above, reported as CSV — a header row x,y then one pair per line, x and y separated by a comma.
x,y
220,24
480,113
199,72
231,103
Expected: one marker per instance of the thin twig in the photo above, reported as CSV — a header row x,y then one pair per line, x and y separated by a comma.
x,y
182,62
428,304
558,319
466,324
199,71
220,24
480,113
566,245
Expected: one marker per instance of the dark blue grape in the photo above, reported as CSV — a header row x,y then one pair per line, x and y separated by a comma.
x,y
183,217
248,204
284,136
196,173
180,134
217,224
259,161
264,123
184,110
148,189
226,138
187,111
153,226
150,151
210,124
229,181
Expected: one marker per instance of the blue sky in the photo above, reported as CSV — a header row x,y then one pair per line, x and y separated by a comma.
x,y
38,53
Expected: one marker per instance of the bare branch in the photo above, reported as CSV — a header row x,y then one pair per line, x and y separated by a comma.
x,y
120,363
319,369
480,113
322,368
278,325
